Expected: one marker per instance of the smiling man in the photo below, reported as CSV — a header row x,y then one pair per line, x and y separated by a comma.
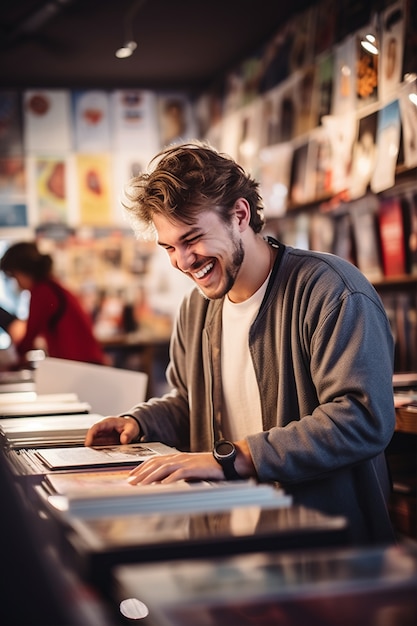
x,y
281,359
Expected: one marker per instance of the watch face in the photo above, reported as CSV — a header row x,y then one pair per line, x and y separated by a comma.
x,y
224,448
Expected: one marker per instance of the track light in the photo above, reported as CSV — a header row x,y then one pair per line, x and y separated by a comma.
x,y
369,40
370,44
130,44
126,50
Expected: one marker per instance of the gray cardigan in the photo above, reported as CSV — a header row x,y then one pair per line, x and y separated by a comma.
x,y
322,349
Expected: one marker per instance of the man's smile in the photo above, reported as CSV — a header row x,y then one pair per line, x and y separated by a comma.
x,y
203,271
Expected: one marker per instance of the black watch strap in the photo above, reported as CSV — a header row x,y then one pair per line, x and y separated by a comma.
x,y
225,453
229,471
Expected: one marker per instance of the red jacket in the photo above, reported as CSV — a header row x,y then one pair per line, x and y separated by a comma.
x,y
56,315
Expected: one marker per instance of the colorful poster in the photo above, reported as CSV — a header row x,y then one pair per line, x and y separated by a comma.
x,y
13,196
176,118
366,66
135,121
341,131
363,156
408,110
92,121
274,178
392,50
344,92
51,189
47,121
95,198
13,215
387,144
12,177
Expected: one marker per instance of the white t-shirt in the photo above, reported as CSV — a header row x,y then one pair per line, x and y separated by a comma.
x,y
241,414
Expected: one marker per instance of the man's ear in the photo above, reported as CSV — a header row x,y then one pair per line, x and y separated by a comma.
x,y
242,213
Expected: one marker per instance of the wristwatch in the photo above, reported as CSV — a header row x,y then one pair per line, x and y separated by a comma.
x,y
225,453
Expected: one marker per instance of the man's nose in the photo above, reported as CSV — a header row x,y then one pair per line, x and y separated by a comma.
x,y
185,258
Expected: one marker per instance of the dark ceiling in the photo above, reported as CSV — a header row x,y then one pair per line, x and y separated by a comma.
x,y
182,44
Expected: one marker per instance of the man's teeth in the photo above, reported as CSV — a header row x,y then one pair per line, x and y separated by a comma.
x,y
204,271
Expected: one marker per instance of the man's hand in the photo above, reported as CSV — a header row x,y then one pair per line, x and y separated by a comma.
x,y
111,431
181,466
190,466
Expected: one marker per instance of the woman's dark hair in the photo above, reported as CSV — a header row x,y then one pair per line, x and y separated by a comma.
x,y
25,257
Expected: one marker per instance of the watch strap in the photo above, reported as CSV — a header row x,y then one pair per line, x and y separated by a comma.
x,y
229,470
227,462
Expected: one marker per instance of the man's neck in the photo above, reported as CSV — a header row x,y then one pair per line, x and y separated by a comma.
x,y
256,267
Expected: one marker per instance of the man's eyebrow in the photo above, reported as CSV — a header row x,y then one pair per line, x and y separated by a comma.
x,y
194,230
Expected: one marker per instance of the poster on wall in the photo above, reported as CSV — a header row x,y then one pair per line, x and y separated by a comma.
x,y
363,156
126,165
274,178
366,67
51,190
11,124
13,203
47,121
175,118
91,110
12,177
344,84
387,147
13,215
341,131
94,176
408,110
392,49
135,120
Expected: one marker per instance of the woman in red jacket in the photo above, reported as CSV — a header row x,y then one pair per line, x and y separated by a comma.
x,y
55,314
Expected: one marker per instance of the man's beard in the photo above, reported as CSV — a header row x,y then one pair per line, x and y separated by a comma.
x,y
231,270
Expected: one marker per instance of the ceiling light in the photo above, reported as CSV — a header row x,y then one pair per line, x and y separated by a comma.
x,y
126,50
369,40
130,44
370,44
